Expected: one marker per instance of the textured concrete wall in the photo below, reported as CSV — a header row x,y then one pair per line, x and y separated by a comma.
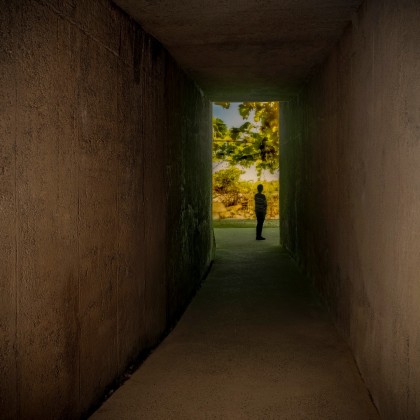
x,y
105,175
351,195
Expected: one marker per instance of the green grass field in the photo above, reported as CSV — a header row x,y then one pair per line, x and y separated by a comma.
x,y
243,223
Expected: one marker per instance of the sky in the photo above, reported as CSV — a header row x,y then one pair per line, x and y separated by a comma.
x,y
232,118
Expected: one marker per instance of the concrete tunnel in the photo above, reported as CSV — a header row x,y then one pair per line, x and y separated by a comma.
x,y
105,179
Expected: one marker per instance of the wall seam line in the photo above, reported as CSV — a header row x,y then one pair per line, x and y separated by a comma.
x,y
16,258
77,128
118,242
77,25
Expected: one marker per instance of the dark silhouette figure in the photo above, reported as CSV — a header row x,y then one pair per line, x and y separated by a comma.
x,y
260,211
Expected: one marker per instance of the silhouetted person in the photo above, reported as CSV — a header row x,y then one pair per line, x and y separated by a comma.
x,y
260,211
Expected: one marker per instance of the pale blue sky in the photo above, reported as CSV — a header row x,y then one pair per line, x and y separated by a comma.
x,y
230,116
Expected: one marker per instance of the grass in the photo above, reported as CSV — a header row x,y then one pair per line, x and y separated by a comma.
x,y
243,223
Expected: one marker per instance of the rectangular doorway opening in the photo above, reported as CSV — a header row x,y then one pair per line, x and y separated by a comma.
x,y
245,154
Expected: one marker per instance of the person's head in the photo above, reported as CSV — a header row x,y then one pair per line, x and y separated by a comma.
x,y
260,188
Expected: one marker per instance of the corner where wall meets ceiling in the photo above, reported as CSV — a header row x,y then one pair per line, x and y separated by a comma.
x,y
245,50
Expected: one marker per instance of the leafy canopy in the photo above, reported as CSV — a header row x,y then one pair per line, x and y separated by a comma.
x,y
251,143
226,180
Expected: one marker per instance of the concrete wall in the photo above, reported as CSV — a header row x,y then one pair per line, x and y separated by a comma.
x,y
351,195
105,175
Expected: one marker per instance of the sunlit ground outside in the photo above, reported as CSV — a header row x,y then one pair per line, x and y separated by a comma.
x,y
245,154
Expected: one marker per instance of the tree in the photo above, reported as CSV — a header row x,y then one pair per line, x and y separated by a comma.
x,y
249,144
226,185
226,180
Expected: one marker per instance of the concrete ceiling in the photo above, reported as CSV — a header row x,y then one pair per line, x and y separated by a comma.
x,y
245,49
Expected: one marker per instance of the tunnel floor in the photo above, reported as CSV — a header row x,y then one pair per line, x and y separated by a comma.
x,y
255,343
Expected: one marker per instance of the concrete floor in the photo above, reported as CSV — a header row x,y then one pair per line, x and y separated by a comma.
x,y
253,344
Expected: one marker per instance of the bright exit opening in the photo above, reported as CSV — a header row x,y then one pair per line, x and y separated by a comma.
x,y
245,155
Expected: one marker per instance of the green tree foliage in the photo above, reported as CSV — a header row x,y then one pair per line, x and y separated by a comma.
x,y
226,185
238,196
226,179
251,143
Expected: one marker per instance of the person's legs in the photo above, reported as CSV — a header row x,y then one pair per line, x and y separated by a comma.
x,y
258,227
260,222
